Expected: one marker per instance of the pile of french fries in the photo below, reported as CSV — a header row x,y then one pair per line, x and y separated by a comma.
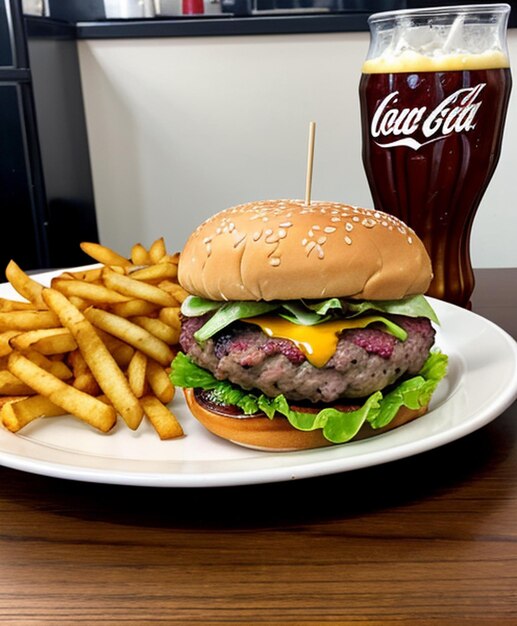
x,y
96,344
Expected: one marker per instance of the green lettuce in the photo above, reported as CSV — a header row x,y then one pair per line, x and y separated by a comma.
x,y
337,426
302,312
412,306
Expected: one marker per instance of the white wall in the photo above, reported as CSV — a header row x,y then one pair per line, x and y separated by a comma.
x,y
181,128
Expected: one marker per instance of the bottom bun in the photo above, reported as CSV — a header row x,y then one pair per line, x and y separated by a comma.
x,y
277,434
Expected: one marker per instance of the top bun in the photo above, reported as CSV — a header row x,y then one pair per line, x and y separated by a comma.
x,y
285,250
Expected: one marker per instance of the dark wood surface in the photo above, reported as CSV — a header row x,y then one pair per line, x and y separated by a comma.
x,y
426,540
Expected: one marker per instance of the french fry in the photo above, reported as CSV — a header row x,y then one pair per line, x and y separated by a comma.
x,y
85,407
122,352
15,305
155,273
97,343
170,316
103,254
16,415
134,307
132,334
157,250
5,341
24,284
176,291
27,320
139,255
11,385
88,291
9,399
159,382
45,340
163,420
90,275
83,377
101,363
136,373
58,368
171,258
157,328
136,288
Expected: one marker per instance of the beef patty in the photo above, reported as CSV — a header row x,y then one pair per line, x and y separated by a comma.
x,y
366,360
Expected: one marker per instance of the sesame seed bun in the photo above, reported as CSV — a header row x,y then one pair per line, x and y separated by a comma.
x,y
278,435
285,249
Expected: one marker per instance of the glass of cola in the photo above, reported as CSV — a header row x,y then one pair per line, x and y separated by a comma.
x,y
434,93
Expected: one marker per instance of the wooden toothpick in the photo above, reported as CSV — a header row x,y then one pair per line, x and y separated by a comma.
x,y
310,160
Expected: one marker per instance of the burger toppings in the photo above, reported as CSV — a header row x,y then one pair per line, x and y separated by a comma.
x,y
331,341
320,363
338,426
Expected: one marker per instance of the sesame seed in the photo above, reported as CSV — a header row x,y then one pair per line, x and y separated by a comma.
x,y
321,240
348,240
329,229
274,261
349,227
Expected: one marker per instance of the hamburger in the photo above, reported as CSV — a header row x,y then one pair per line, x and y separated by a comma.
x,y
306,325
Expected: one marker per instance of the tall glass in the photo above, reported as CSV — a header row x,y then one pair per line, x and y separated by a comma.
x,y
434,93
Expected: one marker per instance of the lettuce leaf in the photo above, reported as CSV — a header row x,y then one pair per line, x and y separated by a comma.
x,y
412,306
228,313
337,426
302,312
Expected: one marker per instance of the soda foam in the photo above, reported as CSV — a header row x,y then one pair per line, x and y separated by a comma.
x,y
411,61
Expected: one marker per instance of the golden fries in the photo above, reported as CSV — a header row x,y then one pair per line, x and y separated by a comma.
x,y
163,420
132,334
96,344
44,340
159,382
139,255
27,320
24,285
88,291
15,415
136,288
85,407
136,372
103,255
98,358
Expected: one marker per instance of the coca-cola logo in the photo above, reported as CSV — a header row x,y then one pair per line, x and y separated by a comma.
x,y
455,114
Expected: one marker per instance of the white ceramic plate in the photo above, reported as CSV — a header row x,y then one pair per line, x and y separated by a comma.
x,y
480,385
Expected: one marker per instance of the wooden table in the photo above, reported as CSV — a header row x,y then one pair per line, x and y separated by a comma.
x,y
429,539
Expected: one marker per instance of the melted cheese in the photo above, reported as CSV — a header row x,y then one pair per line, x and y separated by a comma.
x,y
318,343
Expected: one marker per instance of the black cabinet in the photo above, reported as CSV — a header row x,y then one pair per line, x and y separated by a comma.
x,y
46,193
